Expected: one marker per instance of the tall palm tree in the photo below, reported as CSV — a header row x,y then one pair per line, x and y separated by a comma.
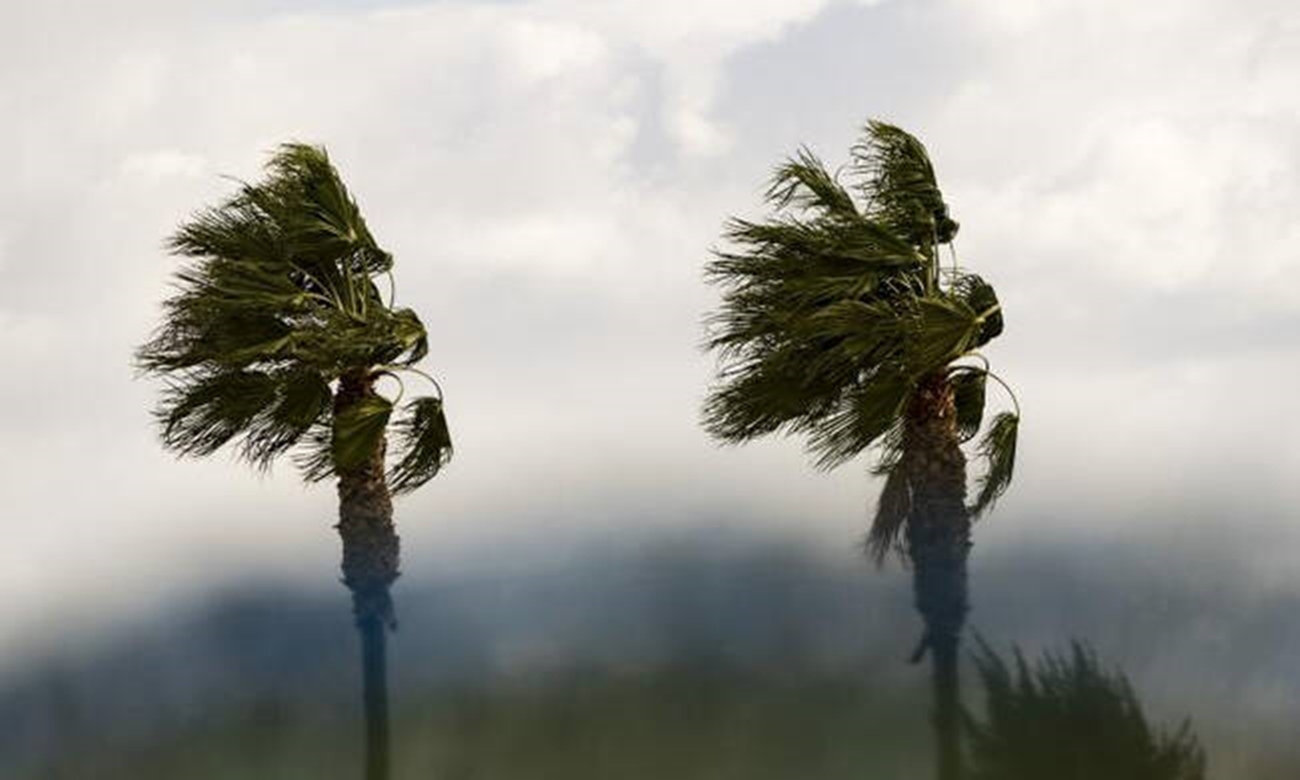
x,y
1068,716
274,343
840,323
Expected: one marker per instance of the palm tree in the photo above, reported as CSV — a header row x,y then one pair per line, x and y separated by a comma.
x,y
839,323
1068,716
274,343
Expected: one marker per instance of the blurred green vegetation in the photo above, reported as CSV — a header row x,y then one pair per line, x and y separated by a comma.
x,y
678,664
686,722
702,720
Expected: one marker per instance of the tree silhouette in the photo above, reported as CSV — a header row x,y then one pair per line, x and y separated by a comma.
x,y
839,323
1067,716
273,344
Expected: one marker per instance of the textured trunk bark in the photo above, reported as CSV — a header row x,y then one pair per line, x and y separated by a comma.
x,y
938,540
370,561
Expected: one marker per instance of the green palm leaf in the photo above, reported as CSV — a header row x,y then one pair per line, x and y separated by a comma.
x,y
303,400
968,389
897,180
945,329
998,450
804,182
358,431
866,413
314,455
206,410
423,443
328,227
407,336
892,510
980,296
766,395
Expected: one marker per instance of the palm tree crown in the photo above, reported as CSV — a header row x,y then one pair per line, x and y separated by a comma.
x,y
837,314
279,306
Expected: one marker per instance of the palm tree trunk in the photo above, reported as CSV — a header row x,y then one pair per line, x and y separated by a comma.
x,y
375,696
938,540
370,561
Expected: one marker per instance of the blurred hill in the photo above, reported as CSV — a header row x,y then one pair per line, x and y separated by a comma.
x,y
682,659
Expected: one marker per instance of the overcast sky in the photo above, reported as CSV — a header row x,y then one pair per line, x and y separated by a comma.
x,y
550,175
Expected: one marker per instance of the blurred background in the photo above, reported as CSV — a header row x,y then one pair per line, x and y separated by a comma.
x,y
593,586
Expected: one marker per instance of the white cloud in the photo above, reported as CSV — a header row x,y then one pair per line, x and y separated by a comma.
x,y
559,241
1155,144
690,43
546,50
162,163
131,85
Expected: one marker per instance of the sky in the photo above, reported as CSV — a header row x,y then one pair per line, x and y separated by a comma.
x,y
551,176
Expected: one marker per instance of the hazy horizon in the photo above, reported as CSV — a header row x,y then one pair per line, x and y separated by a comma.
x,y
751,618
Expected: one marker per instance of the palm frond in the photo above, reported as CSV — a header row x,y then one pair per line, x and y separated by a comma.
x,y
423,444
980,296
968,387
865,414
896,178
302,401
1069,709
767,393
892,510
998,450
852,337
205,410
314,455
803,181
244,226
406,331
358,430
945,329
325,223
781,249
890,449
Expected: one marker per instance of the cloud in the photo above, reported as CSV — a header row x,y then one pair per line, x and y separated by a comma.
x,y
546,50
690,44
162,163
1158,150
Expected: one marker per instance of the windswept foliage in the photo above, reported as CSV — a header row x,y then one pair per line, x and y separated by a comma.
x,y
998,448
892,510
1067,716
279,299
834,309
